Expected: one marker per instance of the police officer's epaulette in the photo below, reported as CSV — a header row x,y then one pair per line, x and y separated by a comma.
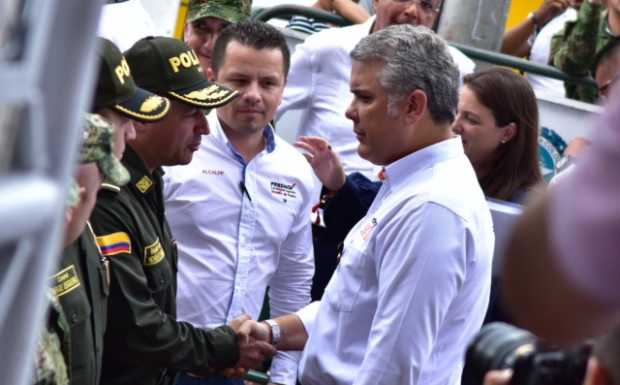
x,y
110,187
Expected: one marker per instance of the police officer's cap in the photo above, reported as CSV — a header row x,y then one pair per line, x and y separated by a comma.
x,y
169,67
116,88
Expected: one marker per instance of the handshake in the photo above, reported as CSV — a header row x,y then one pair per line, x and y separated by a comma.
x,y
255,345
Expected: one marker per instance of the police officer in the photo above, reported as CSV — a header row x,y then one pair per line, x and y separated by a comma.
x,y
144,344
118,99
81,281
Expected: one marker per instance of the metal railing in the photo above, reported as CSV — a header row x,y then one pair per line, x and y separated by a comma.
x,y
520,64
287,11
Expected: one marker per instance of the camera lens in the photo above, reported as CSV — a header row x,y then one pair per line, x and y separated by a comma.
x,y
495,347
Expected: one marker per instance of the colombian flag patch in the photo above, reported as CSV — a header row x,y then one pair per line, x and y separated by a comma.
x,y
115,243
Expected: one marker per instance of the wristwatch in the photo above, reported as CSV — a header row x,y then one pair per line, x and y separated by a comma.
x,y
276,333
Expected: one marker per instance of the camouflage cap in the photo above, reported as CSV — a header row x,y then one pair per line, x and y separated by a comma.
x,y
98,146
233,11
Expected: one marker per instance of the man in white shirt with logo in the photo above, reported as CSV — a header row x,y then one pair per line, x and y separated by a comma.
x,y
413,281
240,210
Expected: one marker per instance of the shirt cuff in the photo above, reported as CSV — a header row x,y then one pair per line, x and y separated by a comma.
x,y
284,368
226,346
308,314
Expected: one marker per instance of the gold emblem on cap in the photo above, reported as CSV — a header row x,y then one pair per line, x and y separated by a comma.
x,y
152,103
212,92
144,184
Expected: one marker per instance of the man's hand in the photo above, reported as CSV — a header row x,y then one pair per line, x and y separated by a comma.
x,y
577,146
323,160
258,331
236,323
254,347
252,351
550,9
498,377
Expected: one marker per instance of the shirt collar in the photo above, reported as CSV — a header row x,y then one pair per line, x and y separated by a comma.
x,y
141,179
215,126
400,171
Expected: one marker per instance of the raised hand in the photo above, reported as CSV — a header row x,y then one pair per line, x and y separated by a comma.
x,y
551,9
323,160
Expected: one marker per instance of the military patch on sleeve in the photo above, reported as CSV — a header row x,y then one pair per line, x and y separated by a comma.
x,y
115,243
153,253
65,281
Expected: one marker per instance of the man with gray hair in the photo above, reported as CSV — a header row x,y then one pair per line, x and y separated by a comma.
x,y
318,86
413,281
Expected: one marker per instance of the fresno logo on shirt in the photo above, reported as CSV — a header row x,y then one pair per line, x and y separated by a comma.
x,y
367,230
284,190
213,172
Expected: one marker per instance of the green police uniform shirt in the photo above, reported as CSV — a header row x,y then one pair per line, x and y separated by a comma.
x,y
144,344
81,287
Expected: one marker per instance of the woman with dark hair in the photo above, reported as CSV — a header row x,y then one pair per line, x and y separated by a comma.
x,y
498,123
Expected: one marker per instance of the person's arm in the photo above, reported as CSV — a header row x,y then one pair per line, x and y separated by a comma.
x,y
541,296
349,196
573,49
348,9
154,338
516,40
562,264
289,288
293,334
420,273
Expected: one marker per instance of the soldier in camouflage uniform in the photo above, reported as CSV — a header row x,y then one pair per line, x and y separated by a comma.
x,y
575,48
80,283
62,353
205,20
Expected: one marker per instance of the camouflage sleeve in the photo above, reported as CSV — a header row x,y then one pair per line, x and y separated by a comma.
x,y
50,364
572,49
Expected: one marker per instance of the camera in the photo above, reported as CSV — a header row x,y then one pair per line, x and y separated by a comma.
x,y
503,346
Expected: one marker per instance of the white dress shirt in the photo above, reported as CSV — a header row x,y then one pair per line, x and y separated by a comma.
x,y
541,49
240,228
413,282
318,83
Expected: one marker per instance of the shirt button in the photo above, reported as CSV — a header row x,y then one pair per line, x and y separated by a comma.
x,y
74,317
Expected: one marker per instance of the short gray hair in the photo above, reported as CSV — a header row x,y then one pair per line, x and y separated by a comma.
x,y
414,58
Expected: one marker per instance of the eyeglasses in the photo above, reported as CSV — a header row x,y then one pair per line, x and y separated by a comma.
x,y
424,6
